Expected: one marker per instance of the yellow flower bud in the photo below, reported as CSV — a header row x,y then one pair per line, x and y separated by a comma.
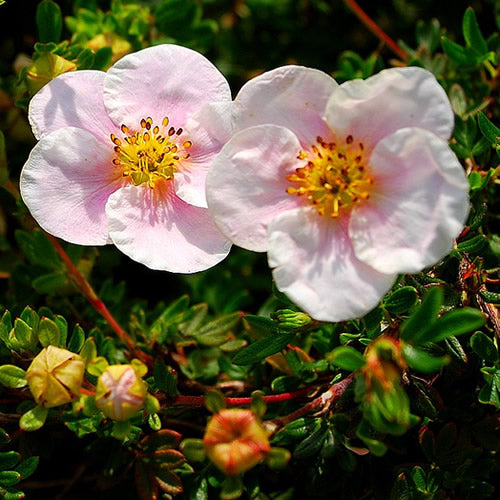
x,y
45,69
120,392
55,376
235,441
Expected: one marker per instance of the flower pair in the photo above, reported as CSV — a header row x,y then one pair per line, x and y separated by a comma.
x,y
345,186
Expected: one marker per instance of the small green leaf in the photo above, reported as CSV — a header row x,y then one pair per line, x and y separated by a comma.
x,y
454,323
472,33
232,488
401,300
27,467
490,131
85,59
215,401
347,358
262,349
422,361
193,450
423,316
9,478
9,459
490,297
154,421
216,332
97,366
77,339
261,324
49,283
4,437
311,445
472,245
168,481
48,333
89,350
165,438
169,458
49,21
12,376
121,429
24,334
278,458
376,447
33,419
457,53
484,347
102,58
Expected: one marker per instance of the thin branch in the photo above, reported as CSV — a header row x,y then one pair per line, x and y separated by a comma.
x,y
376,29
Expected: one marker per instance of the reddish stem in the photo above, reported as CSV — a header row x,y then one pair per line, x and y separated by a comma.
x,y
88,292
273,398
376,30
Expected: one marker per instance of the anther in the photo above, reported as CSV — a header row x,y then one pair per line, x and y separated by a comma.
x,y
171,131
179,131
349,139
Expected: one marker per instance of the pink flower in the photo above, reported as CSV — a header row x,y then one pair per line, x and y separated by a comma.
x,y
122,157
345,186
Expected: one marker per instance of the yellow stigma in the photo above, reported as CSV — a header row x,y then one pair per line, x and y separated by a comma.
x,y
151,154
334,178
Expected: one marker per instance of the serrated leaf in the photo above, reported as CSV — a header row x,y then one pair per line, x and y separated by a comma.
x,y
472,33
347,358
216,332
33,419
423,316
484,347
401,300
12,376
457,322
48,333
262,349
49,21
422,361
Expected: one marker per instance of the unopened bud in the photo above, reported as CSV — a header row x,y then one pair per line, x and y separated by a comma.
x,y
55,376
120,392
45,69
290,320
235,441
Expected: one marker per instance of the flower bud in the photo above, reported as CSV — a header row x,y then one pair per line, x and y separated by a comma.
x,y
289,319
45,69
55,376
235,441
120,392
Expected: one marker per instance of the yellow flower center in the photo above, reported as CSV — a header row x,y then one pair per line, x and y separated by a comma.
x,y
151,154
335,176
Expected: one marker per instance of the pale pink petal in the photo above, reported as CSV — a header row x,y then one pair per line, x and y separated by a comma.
x,y
291,96
392,99
72,100
66,183
166,80
208,130
246,187
315,266
159,230
418,207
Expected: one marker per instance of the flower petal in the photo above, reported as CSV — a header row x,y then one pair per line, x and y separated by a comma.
x,y
392,99
246,187
418,207
72,100
208,130
291,96
66,182
159,230
316,267
166,80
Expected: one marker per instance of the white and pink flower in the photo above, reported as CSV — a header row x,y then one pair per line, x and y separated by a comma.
x,y
122,157
345,186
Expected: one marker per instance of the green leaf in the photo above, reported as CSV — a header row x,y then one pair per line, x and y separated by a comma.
x,y
24,335
490,392
232,488
490,131
165,438
401,300
262,349
27,467
77,339
49,21
89,350
215,401
193,449
278,458
347,358
9,477
473,245
472,33
33,419
457,53
121,429
154,421
9,459
261,324
454,323
425,314
12,376
50,283
422,361
312,444
48,333
484,347
490,297
85,59
376,447
216,332
174,16
4,437
169,458
168,481
102,58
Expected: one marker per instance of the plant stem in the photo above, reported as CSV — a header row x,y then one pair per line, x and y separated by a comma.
x,y
376,30
88,292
